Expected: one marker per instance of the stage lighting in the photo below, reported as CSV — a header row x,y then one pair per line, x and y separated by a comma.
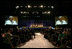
x,y
21,12
41,6
17,7
48,12
29,6
26,12
52,7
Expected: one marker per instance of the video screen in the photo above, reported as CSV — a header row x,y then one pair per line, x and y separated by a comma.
x,y
61,20
11,20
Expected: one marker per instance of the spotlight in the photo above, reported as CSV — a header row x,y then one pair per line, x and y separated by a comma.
x,y
52,7
29,6
21,12
17,7
25,12
41,6
48,12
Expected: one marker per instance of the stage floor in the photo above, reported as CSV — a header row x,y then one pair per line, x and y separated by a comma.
x,y
38,42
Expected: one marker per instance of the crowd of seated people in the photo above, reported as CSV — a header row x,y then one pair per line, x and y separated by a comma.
x,y
12,37
61,38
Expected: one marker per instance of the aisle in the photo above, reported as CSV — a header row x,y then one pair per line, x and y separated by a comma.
x,y
38,42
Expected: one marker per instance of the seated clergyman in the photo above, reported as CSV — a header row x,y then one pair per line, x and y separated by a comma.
x,y
60,21
11,21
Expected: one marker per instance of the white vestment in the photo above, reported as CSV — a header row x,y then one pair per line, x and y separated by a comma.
x,y
8,22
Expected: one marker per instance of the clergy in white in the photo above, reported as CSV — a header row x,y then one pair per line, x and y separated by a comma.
x,y
11,21
60,21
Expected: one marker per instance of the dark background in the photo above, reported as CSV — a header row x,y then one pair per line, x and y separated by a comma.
x,y
62,7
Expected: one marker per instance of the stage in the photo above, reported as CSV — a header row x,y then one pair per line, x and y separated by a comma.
x,y
38,42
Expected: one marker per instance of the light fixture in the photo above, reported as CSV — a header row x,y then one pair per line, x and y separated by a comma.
x,y
24,12
48,12
29,6
52,7
41,6
21,12
17,7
